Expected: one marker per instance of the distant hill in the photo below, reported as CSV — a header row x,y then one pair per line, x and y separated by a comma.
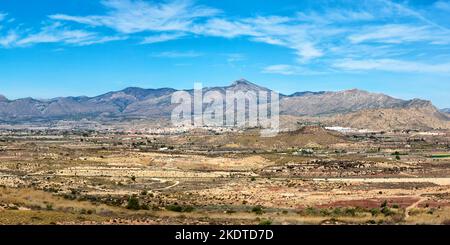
x,y
347,108
445,110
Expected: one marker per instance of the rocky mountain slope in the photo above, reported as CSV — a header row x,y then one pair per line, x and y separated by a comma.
x,y
355,108
414,117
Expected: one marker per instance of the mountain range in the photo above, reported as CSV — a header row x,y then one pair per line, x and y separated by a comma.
x,y
356,108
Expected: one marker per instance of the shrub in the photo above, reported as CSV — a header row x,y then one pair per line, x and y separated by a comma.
x,y
337,211
350,212
257,209
375,211
133,203
311,211
49,206
265,222
179,208
387,211
325,212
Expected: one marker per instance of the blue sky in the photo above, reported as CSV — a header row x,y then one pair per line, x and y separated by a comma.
x,y
52,48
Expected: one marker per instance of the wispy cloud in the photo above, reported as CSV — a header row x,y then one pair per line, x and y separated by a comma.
x,y
273,30
177,54
9,39
398,34
132,16
332,16
284,69
280,69
370,36
392,65
55,33
162,38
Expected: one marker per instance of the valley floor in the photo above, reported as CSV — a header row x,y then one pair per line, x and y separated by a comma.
x,y
109,178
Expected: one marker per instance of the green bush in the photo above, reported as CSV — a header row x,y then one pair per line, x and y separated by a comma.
x,y
257,209
133,203
350,212
265,222
311,211
179,208
325,212
387,211
49,207
375,211
337,211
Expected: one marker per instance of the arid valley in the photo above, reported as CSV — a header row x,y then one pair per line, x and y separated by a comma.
x,y
308,176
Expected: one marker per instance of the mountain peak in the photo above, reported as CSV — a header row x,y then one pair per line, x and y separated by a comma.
x,y
355,91
242,81
243,84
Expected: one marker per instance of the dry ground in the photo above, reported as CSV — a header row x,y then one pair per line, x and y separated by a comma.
x,y
309,176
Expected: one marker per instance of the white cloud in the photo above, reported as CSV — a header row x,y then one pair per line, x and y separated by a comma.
x,y
9,39
183,17
57,33
273,30
336,15
132,16
398,34
177,54
392,65
405,11
162,38
280,69
368,36
225,28
284,69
